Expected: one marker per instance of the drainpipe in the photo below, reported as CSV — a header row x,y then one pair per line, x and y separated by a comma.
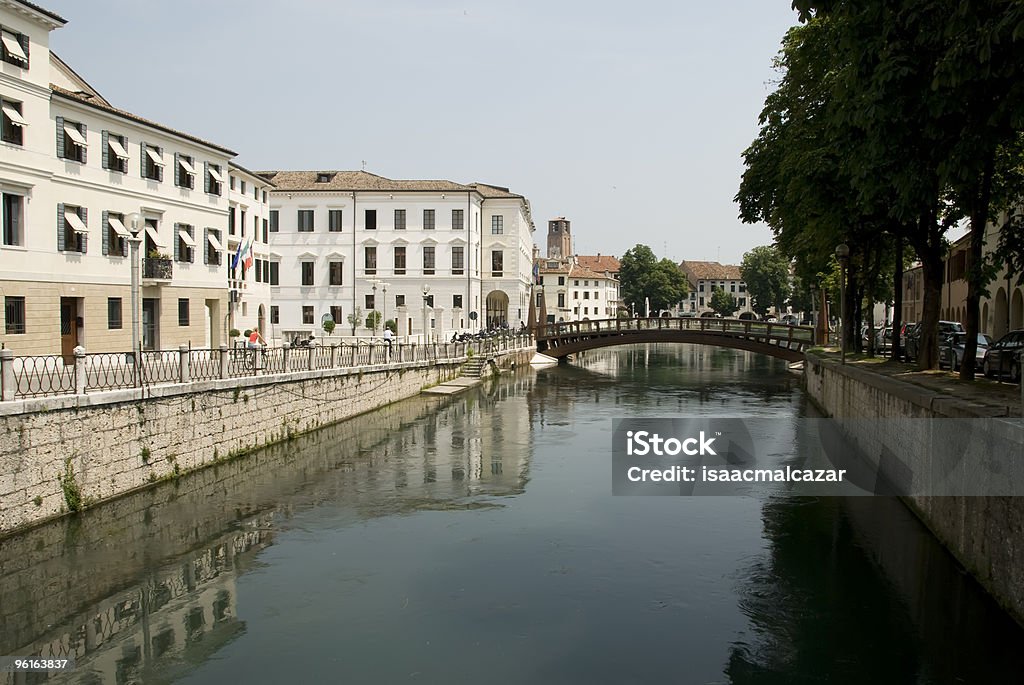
x,y
355,257
468,304
483,302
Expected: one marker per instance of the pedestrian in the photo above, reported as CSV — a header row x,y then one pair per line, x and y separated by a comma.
x,y
255,339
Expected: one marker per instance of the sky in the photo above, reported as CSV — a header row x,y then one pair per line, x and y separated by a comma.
x,y
628,118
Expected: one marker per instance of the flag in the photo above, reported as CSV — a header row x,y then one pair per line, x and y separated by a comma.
x,y
248,255
536,273
238,256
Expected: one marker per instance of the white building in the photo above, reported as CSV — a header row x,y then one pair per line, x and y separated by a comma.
x,y
432,255
248,225
72,169
706,277
573,292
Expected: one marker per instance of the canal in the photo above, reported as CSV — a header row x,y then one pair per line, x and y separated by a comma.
x,y
474,539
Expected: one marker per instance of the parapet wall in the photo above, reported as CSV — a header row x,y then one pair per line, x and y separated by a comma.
x,y
986,534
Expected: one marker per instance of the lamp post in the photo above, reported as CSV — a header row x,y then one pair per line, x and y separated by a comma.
x,y
843,255
135,226
384,294
426,291
373,289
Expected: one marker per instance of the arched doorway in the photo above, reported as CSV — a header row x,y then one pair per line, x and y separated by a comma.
x,y
261,321
985,326
1001,311
1017,309
497,308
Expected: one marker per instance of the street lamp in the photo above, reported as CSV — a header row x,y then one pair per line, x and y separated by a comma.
x,y
843,255
426,291
384,292
135,226
373,288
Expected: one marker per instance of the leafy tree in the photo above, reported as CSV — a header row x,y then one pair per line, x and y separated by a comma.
x,y
328,326
354,319
722,302
766,272
392,325
373,320
643,277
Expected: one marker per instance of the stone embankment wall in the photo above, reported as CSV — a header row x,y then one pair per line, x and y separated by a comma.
x,y
63,453
986,534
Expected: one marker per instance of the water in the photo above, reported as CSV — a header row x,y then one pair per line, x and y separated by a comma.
x,y
474,539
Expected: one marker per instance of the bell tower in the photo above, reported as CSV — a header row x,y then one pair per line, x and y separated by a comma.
x,y
559,239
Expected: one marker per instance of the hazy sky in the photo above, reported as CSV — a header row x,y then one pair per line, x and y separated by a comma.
x,y
626,117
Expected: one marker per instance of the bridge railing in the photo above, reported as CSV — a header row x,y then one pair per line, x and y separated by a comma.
x,y
735,327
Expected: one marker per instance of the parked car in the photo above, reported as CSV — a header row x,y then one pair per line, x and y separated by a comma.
x,y
911,348
790,319
952,348
710,315
883,339
771,319
687,315
748,316
1003,356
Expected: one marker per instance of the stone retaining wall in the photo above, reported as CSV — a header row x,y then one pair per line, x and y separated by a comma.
x,y
986,534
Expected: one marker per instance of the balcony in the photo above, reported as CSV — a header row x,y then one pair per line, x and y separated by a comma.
x,y
157,269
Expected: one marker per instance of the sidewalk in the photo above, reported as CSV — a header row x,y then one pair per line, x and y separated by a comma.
x,y
1001,398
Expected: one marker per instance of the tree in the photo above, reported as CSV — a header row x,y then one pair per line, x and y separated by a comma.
x,y
392,325
373,320
328,326
766,272
722,302
644,278
354,319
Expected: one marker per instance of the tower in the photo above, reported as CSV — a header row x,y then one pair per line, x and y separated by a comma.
x,y
559,239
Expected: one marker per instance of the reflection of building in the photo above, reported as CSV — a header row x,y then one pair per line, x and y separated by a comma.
x,y
337,234
706,277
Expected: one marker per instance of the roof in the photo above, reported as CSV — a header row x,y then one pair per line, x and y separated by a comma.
x,y
87,99
57,63
562,268
355,180
254,174
579,271
711,271
600,263
489,191
42,10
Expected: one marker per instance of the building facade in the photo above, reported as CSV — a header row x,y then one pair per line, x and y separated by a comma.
x,y
573,292
359,249
706,277
248,251
559,238
74,169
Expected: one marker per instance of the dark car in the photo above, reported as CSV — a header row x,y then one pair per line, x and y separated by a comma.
x,y
912,346
953,349
1003,356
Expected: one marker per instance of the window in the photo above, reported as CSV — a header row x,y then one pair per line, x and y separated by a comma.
x,y
399,260
184,171
115,152
114,313
430,301
497,263
370,222
241,186
701,302
184,243
335,274
275,314
72,228
305,221
15,48
275,273
456,301
732,287
700,287
151,162
266,237
115,235
307,273
742,302
561,280
71,142
334,220
575,294
231,182
428,220
13,122
586,294
307,314
576,281
370,260
337,314
368,301
497,225
14,315
457,223
561,299
399,300
259,270
458,260
182,311
231,220
212,247
399,219
428,260
743,287
214,179
241,222
324,177
13,219
275,218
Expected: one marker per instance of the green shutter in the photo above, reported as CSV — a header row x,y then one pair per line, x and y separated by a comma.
x,y
104,228
24,41
83,214
60,137
176,240
105,153
177,168
206,176
206,246
142,159
84,130
60,227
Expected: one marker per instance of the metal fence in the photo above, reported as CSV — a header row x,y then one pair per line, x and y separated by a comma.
x,y
50,375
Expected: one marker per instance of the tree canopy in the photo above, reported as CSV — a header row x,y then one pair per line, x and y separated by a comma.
x,y
643,277
766,272
723,303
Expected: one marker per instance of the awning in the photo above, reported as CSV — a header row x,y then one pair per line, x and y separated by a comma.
x,y
155,237
75,135
155,156
214,243
118,227
15,116
186,238
187,166
216,175
76,222
118,149
14,47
